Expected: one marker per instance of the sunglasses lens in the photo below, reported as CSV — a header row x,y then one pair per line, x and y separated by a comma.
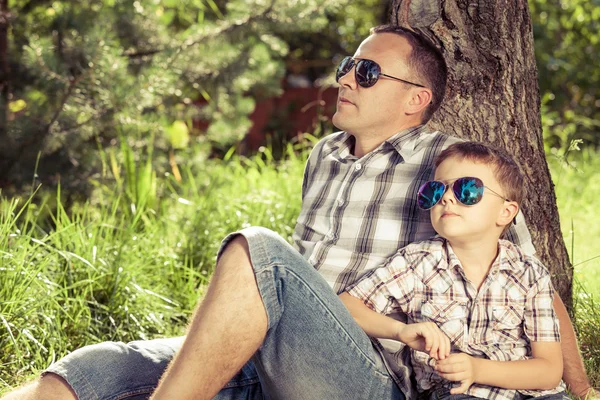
x,y
429,194
468,191
367,73
345,66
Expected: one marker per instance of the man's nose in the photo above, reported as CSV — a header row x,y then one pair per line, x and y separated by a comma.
x,y
349,80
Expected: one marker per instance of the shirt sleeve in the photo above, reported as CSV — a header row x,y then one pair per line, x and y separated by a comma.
x,y
541,323
389,288
518,233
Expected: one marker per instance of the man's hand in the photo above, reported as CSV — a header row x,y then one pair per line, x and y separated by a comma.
x,y
426,337
458,367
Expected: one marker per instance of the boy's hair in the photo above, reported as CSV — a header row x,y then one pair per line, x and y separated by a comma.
x,y
506,171
426,62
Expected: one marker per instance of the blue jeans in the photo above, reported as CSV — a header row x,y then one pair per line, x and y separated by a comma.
x,y
313,348
443,393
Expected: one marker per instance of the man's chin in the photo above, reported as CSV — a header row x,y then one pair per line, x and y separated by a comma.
x,y
340,122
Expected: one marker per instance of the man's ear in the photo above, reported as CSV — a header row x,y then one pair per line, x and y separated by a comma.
x,y
419,100
509,212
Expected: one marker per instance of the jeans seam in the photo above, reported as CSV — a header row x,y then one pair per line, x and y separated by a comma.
x,y
74,377
135,392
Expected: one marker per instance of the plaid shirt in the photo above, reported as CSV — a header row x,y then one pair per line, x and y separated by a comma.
x,y
512,308
356,213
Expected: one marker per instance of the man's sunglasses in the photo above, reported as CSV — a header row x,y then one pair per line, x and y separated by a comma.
x,y
467,190
367,72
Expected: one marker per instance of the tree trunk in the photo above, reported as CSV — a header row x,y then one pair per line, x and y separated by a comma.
x,y
493,96
4,67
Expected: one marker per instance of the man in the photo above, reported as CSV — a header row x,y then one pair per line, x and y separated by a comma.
x,y
270,325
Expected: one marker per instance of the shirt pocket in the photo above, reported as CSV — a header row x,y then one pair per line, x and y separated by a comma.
x,y
508,323
449,316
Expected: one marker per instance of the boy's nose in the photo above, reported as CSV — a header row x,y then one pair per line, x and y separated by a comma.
x,y
448,195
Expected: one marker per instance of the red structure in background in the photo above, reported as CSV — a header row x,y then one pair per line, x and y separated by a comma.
x,y
296,111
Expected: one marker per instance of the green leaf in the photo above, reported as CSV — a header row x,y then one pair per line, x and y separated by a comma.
x,y
16,106
178,134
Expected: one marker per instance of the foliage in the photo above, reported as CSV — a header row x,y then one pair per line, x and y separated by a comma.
x,y
84,73
567,47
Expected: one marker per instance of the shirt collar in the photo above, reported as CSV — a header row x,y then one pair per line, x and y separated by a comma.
x,y
506,260
451,260
509,258
404,142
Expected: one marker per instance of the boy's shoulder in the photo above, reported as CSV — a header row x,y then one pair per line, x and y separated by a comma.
x,y
424,254
521,264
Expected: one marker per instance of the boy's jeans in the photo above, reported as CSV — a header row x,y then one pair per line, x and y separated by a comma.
x,y
313,348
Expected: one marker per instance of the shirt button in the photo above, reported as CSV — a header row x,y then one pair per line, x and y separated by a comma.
x,y
358,166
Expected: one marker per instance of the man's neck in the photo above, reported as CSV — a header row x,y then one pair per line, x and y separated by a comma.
x,y
367,142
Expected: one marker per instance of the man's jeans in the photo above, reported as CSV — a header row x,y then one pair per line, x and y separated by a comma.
x,y
313,348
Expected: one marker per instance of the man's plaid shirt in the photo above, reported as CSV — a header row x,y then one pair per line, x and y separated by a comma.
x,y
356,213
512,308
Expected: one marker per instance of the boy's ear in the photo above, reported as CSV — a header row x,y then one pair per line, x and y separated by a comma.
x,y
420,99
508,213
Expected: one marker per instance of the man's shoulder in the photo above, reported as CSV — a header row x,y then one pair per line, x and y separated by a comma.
x,y
442,138
433,143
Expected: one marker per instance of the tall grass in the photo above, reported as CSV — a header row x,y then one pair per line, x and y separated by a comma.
x,y
131,261
576,180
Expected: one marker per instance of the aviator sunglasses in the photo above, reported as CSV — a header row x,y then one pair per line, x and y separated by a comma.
x,y
467,190
367,72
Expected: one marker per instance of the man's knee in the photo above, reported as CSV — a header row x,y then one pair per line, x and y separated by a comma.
x,y
47,387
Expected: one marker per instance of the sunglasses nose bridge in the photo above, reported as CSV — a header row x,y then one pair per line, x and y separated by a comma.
x,y
350,76
448,195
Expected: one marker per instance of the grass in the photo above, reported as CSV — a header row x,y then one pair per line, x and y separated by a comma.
x,y
577,195
131,261
114,268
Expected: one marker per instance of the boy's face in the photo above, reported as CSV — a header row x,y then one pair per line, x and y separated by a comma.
x,y
458,222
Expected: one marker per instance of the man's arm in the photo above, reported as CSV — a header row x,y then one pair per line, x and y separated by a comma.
x,y
542,372
574,373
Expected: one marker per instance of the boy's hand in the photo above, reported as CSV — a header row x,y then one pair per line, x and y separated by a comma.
x,y
458,367
426,337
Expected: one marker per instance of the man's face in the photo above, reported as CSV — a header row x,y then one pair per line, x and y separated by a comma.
x,y
376,111
469,224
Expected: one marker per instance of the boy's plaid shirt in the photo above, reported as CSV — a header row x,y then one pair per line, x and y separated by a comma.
x,y
356,213
512,308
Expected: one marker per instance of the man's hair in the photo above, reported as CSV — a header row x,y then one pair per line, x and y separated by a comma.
x,y
506,171
426,62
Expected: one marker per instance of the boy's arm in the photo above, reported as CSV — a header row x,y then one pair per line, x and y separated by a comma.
x,y
542,372
574,373
426,337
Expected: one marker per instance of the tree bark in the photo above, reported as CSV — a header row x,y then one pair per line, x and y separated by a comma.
x,y
493,96
4,67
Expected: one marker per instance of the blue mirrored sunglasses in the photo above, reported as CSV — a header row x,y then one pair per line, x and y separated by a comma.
x,y
467,190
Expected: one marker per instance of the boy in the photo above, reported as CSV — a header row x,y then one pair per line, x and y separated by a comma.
x,y
480,310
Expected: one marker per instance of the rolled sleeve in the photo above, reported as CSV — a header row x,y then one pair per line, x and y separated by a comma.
x,y
387,289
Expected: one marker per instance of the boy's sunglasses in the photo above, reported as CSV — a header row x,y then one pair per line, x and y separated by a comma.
x,y
367,72
467,190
